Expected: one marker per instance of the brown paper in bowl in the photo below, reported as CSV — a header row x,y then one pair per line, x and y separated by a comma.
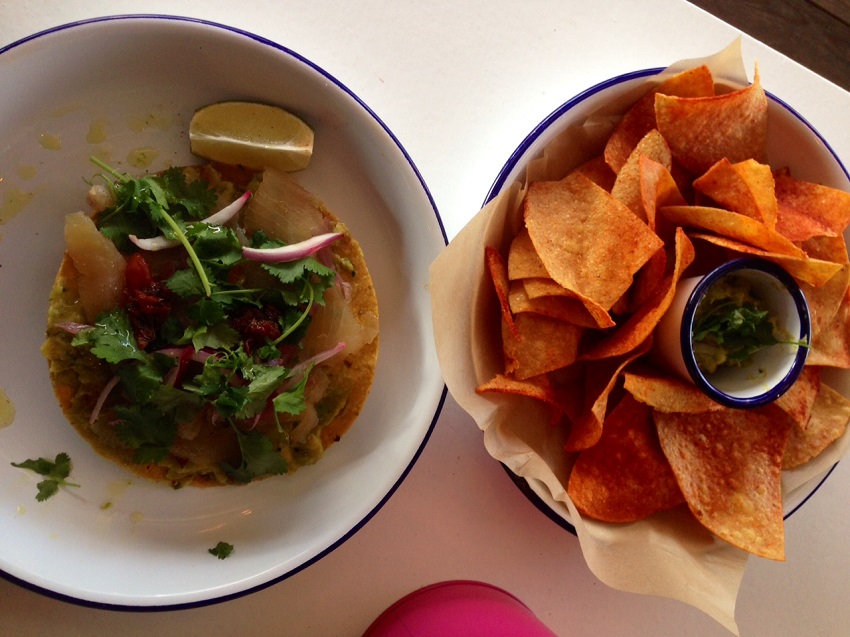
x,y
669,554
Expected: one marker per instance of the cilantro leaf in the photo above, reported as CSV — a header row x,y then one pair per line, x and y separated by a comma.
x,y
55,471
292,401
222,550
266,380
147,430
111,338
259,458
185,283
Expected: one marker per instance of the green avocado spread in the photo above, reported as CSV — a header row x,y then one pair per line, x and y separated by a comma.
x,y
731,324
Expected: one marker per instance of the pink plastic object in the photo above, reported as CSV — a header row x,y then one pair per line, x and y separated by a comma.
x,y
458,609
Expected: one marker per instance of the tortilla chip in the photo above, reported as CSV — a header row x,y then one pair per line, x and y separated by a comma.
x,y
798,401
658,188
831,345
640,118
624,477
499,276
703,130
733,226
728,464
545,287
812,271
523,260
541,344
562,308
627,187
537,387
826,248
598,172
830,414
824,301
668,394
600,379
588,241
638,328
806,210
746,188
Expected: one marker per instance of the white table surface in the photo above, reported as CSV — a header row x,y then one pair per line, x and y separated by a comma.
x,y
461,82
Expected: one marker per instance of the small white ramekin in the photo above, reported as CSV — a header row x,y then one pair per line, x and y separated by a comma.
x,y
770,372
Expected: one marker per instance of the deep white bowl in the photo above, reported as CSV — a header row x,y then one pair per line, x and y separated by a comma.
x,y
137,80
791,142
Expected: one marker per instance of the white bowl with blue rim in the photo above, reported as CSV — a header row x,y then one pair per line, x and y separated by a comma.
x,y
792,141
126,83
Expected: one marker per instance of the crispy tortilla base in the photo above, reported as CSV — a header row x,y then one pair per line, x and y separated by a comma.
x,y
78,379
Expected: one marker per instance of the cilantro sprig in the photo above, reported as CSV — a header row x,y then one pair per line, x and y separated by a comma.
x,y
147,202
55,472
731,330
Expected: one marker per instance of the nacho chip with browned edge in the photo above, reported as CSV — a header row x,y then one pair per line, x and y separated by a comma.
x,y
625,476
499,276
798,401
831,345
562,308
806,210
640,118
733,226
668,393
825,300
545,288
600,378
523,260
830,415
598,172
541,344
638,328
537,387
657,189
746,188
627,186
812,271
728,464
588,241
703,130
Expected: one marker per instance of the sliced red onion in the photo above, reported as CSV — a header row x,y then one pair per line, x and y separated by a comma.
x,y
98,405
291,252
220,218
295,374
228,212
176,352
72,328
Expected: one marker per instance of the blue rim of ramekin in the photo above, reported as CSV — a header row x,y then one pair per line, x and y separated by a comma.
x,y
518,154
701,380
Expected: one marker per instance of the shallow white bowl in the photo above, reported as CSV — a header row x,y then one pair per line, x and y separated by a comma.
x,y
792,142
137,80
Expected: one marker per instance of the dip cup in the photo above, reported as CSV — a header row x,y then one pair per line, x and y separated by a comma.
x,y
768,373
459,608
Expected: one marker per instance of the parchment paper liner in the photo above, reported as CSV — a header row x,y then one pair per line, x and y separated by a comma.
x,y
669,554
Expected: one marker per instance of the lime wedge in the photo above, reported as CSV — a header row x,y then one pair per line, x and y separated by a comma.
x,y
250,134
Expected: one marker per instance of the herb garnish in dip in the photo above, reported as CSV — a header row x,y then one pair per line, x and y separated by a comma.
x,y
731,324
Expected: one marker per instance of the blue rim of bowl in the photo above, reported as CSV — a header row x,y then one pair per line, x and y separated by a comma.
x,y
517,156
440,403
700,379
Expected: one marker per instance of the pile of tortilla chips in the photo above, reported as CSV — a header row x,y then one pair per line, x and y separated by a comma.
x,y
682,186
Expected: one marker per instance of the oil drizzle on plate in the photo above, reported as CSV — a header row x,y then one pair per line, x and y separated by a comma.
x,y
7,410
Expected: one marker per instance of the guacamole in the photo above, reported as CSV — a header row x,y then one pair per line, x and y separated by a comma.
x,y
731,324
